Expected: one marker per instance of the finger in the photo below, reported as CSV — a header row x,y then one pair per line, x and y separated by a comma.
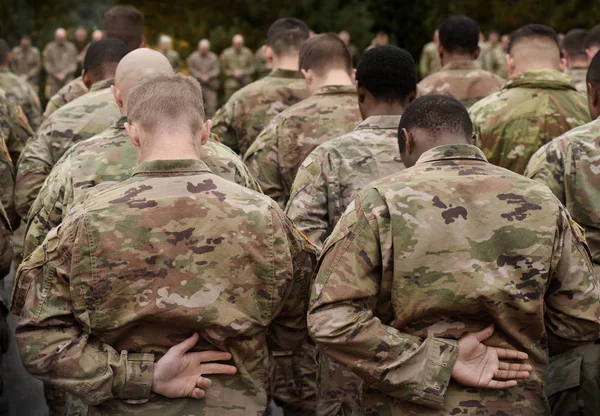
x,y
197,393
206,356
504,353
510,375
484,333
217,369
494,384
186,345
203,383
502,365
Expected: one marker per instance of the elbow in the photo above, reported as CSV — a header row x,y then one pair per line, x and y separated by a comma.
x,y
338,325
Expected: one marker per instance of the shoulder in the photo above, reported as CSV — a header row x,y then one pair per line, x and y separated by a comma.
x,y
487,105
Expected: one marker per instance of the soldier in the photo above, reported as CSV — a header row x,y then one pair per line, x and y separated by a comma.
x,y
430,57
19,91
250,109
331,111
204,65
238,66
495,59
27,62
382,38
461,77
263,66
79,120
537,104
239,285
6,257
97,35
81,44
60,62
110,155
573,50
71,91
440,280
345,36
165,46
592,42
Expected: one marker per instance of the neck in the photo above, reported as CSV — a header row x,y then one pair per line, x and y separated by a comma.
x,y
532,66
454,57
180,147
287,62
578,63
333,77
384,109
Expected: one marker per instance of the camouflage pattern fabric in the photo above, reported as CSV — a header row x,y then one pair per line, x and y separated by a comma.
x,y
109,157
578,75
463,80
233,60
27,63
263,68
6,258
422,257
174,59
532,109
569,165
171,244
22,94
430,62
79,120
59,59
276,155
239,122
495,62
66,94
207,65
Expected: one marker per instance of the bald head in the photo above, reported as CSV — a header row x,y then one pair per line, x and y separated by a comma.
x,y
533,47
97,35
134,66
237,42
204,46
60,35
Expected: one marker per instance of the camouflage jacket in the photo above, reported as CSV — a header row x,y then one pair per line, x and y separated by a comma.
x,y
332,175
141,265
27,62
570,166
276,155
463,80
495,62
6,250
578,75
242,61
528,112
430,60
108,157
208,65
23,95
79,120
60,58
250,109
447,247
71,91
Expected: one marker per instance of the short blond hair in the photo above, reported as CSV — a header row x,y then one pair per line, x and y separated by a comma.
x,y
166,99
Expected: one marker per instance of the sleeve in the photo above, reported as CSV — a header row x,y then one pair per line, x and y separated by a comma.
x,y
547,166
222,126
20,132
262,159
573,294
36,68
54,336
6,248
294,259
7,182
342,320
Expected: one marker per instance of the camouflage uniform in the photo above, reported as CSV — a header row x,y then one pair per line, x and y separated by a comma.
x,y
208,65
578,75
178,250
27,63
79,120
23,95
263,68
278,152
234,60
249,110
463,80
422,257
430,60
174,59
6,257
71,91
496,62
108,157
59,58
528,112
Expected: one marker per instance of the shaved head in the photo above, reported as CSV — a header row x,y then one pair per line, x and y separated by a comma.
x,y
204,45
238,41
534,47
60,35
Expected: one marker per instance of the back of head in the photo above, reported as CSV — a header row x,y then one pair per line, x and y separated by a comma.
x,y
388,73
536,44
102,58
125,23
593,88
574,44
592,40
286,36
459,34
4,52
325,52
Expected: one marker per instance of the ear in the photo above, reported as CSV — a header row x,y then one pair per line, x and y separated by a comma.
x,y
477,52
85,77
440,50
117,96
474,139
510,64
353,76
412,96
565,54
205,131
361,93
132,131
308,77
562,65
268,52
409,141
592,94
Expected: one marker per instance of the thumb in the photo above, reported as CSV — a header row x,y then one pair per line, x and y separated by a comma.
x,y
186,345
484,333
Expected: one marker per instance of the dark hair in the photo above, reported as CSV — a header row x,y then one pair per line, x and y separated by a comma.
x,y
324,52
101,54
459,34
593,38
593,73
125,23
574,43
4,52
437,114
533,31
286,36
387,72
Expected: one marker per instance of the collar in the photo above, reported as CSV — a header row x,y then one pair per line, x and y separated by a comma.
x,y
379,123
462,64
542,78
100,85
336,89
285,73
452,151
171,167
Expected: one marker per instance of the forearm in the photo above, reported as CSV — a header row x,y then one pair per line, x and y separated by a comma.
x,y
27,187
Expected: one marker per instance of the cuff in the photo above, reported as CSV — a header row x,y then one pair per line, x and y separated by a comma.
x,y
138,382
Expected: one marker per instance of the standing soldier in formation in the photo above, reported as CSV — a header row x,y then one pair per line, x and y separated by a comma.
x,y
592,42
331,111
345,37
19,91
461,77
81,44
263,66
238,66
165,46
60,62
495,59
27,62
204,65
239,122
573,50
208,257
538,104
430,57
439,281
